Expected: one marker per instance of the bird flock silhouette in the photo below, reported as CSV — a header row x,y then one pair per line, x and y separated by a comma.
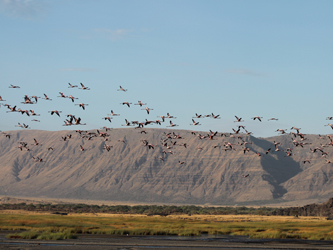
x,y
169,141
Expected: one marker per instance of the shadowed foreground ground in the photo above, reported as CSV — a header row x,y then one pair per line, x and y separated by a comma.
x,y
161,242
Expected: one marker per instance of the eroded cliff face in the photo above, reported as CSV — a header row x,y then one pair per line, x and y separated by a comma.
x,y
176,170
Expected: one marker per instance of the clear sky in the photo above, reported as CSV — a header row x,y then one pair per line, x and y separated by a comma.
x,y
237,57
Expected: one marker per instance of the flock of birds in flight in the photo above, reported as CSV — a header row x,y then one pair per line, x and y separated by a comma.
x,y
170,139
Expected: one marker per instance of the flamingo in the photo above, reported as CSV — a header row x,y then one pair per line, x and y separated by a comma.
x,y
288,154
273,119
215,116
121,89
147,109
236,131
83,87
246,149
78,121
126,103
197,116
297,129
72,86
38,159
148,122
46,97
35,97
172,125
257,117
2,100
36,142
27,100
35,120
82,105
62,95
195,123
23,111
170,116
107,118
22,125
12,109
140,124
127,123
238,119
282,131
55,112
140,103
247,175
113,114
33,113
72,98
81,148
5,134
14,87
248,132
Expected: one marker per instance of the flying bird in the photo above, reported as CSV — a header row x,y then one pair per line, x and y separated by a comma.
x,y
121,89
55,112
195,123
46,97
140,103
82,105
72,86
147,109
172,125
14,87
72,98
238,119
113,114
107,118
256,117
126,103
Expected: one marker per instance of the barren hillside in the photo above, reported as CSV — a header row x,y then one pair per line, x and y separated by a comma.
x,y
212,171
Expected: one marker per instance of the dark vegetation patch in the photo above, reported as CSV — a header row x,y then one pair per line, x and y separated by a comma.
x,y
324,209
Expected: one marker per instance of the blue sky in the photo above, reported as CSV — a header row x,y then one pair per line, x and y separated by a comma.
x,y
244,58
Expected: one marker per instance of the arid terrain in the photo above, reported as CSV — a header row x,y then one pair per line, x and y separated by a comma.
x,y
206,171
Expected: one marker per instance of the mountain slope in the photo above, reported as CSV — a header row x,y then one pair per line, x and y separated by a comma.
x,y
131,171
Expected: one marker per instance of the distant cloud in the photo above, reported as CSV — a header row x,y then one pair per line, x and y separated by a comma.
x,y
113,34
243,72
78,69
27,9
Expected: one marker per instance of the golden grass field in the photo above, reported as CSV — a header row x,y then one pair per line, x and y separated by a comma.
x,y
254,226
